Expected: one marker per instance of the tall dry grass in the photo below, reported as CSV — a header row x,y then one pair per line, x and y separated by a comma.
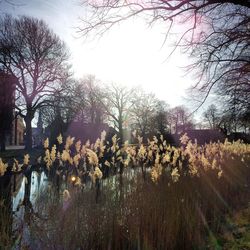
x,y
139,214
151,196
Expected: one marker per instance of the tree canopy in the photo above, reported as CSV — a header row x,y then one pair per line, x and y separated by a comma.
x,y
215,33
35,55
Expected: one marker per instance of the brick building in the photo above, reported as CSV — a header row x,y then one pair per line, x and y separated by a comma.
x,y
11,126
17,132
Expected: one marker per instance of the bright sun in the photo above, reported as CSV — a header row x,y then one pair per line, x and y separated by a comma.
x,y
131,54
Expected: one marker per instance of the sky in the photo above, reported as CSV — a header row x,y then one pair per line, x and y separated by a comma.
x,y
131,54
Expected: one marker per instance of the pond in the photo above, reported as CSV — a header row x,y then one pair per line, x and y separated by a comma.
x,y
21,195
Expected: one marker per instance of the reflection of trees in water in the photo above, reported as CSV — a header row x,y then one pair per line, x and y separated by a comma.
x,y
18,194
5,211
28,208
72,221
28,199
33,184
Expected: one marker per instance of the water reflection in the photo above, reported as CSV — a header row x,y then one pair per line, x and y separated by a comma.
x,y
26,190
24,193
38,184
5,212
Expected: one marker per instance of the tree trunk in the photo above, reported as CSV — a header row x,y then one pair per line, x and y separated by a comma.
x,y
121,132
28,137
6,218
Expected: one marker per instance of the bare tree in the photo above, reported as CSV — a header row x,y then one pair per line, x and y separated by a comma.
x,y
215,32
65,104
161,121
105,13
143,112
93,111
222,54
228,122
180,119
116,101
77,101
211,116
30,51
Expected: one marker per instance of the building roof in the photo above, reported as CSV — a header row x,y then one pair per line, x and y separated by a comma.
x,y
203,135
87,131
